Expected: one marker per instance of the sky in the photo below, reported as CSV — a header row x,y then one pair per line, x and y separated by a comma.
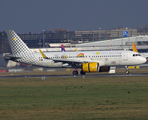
x,y
24,16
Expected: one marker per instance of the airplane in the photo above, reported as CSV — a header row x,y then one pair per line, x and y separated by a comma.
x,y
62,48
87,61
134,47
142,54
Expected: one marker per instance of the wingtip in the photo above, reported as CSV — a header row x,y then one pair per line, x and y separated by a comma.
x,y
43,55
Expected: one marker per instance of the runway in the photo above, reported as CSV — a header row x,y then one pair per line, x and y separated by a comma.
x,y
87,75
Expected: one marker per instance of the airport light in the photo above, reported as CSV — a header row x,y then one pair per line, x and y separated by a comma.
x,y
99,33
43,40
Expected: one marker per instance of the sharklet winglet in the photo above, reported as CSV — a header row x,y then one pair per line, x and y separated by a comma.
x,y
43,55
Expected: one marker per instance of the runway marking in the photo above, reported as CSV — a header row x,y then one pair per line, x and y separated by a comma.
x,y
94,75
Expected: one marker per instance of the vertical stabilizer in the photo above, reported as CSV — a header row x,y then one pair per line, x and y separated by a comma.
x,y
134,48
21,53
62,48
16,44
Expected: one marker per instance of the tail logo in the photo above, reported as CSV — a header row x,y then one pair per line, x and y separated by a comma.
x,y
15,39
62,48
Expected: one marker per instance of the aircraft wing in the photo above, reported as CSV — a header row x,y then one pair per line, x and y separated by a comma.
x,y
69,61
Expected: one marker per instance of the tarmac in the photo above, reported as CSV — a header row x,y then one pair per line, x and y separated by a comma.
x,y
83,76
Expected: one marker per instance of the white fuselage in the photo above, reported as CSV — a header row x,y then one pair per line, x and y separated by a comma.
x,y
104,58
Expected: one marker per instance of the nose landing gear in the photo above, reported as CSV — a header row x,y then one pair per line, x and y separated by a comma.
x,y
127,72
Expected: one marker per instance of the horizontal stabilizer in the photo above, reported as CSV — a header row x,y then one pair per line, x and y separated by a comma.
x,y
11,57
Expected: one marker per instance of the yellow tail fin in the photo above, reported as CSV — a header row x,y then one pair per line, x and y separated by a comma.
x,y
134,48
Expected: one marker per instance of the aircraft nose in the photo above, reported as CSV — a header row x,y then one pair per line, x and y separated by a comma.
x,y
142,60
145,60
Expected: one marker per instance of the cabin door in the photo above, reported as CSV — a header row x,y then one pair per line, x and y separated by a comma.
x,y
125,56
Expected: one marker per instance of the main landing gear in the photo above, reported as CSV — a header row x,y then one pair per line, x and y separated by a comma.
x,y
75,72
127,72
82,73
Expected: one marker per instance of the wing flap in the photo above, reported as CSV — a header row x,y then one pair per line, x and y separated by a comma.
x,y
69,61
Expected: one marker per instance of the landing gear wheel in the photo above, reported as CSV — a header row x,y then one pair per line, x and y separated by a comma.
x,y
75,72
82,73
127,72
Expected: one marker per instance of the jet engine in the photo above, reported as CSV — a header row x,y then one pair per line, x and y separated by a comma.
x,y
94,67
90,67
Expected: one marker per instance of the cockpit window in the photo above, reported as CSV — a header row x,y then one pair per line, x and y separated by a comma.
x,y
136,55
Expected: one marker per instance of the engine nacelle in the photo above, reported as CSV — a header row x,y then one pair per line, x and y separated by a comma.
x,y
90,67
94,67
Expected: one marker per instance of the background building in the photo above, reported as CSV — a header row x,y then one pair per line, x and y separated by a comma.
x,y
47,39
64,36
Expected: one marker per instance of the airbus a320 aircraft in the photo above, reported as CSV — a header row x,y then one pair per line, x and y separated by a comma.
x,y
87,61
